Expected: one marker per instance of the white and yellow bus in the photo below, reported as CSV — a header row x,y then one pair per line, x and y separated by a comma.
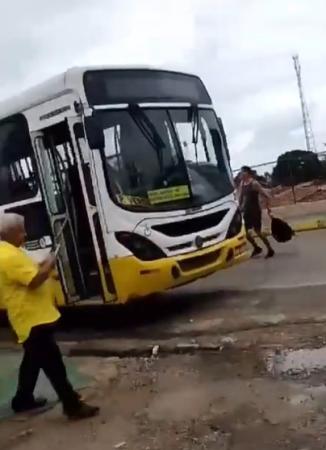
x,y
126,172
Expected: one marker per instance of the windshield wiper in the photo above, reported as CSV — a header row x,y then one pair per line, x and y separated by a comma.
x,y
195,127
194,114
117,146
149,131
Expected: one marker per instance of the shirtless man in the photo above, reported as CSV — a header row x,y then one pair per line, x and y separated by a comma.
x,y
250,191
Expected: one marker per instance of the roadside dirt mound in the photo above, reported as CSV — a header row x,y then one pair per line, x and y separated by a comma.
x,y
305,192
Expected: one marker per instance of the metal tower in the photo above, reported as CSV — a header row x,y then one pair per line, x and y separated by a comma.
x,y
309,135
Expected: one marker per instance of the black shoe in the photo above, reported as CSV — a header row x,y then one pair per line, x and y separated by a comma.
x,y
26,406
256,251
83,411
270,254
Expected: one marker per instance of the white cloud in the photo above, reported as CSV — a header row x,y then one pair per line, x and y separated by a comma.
x,y
145,33
241,48
239,143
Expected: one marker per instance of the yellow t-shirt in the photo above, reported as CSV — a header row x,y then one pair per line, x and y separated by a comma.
x,y
26,307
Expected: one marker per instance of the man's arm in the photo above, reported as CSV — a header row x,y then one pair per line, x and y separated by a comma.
x,y
264,193
44,272
240,196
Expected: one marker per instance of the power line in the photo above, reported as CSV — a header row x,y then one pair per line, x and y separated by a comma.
x,y
309,135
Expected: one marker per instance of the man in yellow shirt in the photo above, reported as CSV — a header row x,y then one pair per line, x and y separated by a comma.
x,y
28,298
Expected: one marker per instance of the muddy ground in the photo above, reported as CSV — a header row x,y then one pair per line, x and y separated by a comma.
x,y
241,365
263,396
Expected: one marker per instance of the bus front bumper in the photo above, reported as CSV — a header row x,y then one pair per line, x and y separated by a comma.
x,y
134,278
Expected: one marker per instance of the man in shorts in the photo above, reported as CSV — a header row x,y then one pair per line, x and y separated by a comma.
x,y
250,192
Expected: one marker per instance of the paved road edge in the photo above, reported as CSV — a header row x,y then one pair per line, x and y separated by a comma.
x,y
312,225
185,342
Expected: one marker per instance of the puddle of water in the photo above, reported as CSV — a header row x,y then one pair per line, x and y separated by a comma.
x,y
269,319
300,399
296,362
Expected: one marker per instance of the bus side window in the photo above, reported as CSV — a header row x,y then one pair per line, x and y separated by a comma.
x,y
18,180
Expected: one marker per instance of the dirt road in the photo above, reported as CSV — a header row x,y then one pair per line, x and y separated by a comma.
x,y
259,396
241,366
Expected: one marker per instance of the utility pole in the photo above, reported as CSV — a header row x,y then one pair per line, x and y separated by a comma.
x,y
309,135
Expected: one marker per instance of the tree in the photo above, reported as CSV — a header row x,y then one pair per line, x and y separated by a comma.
x,y
296,166
323,164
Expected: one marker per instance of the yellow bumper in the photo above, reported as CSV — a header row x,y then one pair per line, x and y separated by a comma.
x,y
134,278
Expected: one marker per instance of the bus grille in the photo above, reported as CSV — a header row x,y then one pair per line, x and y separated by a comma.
x,y
197,262
190,226
184,245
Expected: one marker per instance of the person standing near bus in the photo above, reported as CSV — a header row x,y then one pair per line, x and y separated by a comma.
x,y
28,297
250,192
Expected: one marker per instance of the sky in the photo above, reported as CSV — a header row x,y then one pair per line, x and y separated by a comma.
x,y
242,50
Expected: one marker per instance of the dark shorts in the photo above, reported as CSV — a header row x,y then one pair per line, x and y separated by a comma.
x,y
253,220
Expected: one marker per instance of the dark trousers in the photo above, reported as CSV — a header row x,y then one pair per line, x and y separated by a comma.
x,y
42,352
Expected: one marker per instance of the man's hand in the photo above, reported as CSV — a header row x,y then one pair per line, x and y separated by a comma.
x,y
49,261
45,269
56,276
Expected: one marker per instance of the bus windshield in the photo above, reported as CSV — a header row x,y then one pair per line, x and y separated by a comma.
x,y
163,159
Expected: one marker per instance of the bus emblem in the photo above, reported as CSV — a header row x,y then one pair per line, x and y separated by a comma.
x,y
199,241
147,230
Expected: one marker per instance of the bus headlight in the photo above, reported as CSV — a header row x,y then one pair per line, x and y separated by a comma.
x,y
235,225
141,247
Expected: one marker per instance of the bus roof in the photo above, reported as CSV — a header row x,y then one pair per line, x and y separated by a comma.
x,y
67,81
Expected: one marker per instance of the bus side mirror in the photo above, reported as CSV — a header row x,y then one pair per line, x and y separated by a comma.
x,y
94,133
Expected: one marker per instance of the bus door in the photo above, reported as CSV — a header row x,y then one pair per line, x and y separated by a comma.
x,y
66,206
76,129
